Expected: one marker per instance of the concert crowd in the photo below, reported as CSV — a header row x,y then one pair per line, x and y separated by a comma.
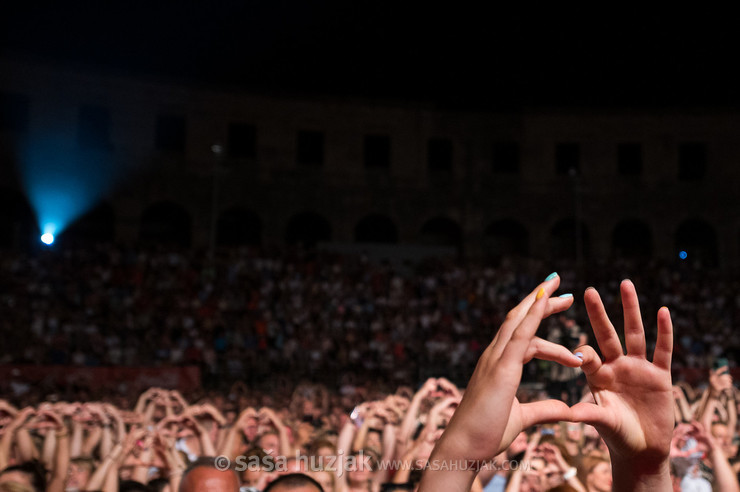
x,y
350,371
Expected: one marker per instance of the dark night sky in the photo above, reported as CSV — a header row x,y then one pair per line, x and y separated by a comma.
x,y
453,56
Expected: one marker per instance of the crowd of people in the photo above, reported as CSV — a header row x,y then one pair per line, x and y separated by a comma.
x,y
327,316
99,446
366,335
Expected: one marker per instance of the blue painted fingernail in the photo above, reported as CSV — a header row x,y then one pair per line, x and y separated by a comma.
x,y
566,295
579,355
551,276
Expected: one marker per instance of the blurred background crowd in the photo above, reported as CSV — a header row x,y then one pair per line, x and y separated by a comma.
x,y
294,349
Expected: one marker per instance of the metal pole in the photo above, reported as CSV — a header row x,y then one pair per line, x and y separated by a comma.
x,y
578,219
217,151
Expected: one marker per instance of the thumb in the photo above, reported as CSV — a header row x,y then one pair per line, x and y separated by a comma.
x,y
546,411
592,414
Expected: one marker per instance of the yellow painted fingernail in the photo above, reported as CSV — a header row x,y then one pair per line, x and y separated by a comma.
x,y
540,293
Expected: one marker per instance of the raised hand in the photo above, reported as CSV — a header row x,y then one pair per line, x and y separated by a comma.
x,y
448,388
209,410
489,416
633,409
720,380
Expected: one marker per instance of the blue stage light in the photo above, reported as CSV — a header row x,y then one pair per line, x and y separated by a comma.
x,y
47,238
62,181
683,255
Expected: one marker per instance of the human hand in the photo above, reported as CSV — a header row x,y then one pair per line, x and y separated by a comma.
x,y
48,419
678,441
442,411
97,412
720,380
112,412
7,414
489,416
210,411
20,419
634,397
427,389
446,387
552,454
131,417
243,422
176,397
7,409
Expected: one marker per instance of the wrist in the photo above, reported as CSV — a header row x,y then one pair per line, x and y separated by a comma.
x,y
570,473
641,475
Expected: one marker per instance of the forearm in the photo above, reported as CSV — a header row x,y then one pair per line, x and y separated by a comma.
x,y
677,413
93,438
5,444
141,471
176,467
724,477
404,472
389,446
206,445
360,436
228,445
285,447
61,462
100,476
575,484
26,449
49,449
148,413
344,441
111,479
708,411
447,471
683,410
732,412
223,432
514,484
409,421
76,444
702,406
142,402
106,441
174,479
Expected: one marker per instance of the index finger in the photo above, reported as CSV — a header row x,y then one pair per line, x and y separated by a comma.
x,y
602,327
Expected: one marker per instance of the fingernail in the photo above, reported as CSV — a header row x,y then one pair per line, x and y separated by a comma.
x,y
579,355
589,288
566,295
664,307
551,276
540,293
